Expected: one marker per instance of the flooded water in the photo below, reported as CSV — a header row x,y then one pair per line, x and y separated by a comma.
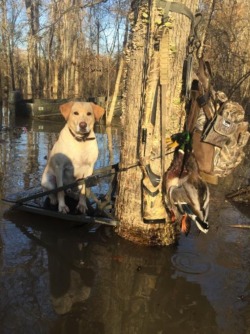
x,y
56,277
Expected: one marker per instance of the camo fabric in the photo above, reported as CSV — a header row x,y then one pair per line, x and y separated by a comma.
x,y
218,147
230,155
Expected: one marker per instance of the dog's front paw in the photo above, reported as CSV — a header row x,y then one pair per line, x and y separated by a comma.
x,y
82,206
63,208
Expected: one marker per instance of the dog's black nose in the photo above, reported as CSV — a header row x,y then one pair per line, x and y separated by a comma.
x,y
83,125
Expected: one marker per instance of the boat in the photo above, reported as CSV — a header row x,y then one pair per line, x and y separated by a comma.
x,y
43,108
36,201
36,108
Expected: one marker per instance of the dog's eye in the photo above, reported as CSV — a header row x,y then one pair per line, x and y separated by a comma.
x,y
76,113
89,113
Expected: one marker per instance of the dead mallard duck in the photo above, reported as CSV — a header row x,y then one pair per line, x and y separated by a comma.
x,y
186,194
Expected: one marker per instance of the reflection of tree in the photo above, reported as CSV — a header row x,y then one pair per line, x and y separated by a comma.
x,y
133,292
102,284
245,300
145,299
1,250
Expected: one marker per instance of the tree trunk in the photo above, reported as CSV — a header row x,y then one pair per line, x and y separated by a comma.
x,y
4,71
118,81
32,9
141,77
115,94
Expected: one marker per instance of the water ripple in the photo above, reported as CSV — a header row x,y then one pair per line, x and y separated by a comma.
x,y
190,263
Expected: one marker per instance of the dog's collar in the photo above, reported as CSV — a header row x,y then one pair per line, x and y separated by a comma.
x,y
83,138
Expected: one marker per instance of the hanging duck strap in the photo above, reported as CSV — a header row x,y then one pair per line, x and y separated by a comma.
x,y
153,209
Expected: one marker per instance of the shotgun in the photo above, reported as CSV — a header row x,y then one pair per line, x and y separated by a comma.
x,y
153,209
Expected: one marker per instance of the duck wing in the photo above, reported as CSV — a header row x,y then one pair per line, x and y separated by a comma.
x,y
192,199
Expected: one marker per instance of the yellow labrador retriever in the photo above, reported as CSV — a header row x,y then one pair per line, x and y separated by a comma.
x,y
75,152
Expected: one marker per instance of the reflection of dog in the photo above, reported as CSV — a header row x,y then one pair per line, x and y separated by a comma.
x,y
74,154
70,274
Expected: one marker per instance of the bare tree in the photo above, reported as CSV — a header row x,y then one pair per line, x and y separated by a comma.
x,y
46,48
227,46
32,9
5,82
149,41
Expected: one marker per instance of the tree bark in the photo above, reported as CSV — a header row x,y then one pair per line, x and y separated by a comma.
x,y
118,81
115,94
141,58
4,71
32,9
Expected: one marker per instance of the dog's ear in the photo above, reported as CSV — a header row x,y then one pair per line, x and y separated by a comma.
x,y
65,109
98,111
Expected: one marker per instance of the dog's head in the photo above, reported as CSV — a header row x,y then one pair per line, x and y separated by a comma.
x,y
81,116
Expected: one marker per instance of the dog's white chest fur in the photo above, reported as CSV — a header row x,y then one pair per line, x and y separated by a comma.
x,y
87,157
78,156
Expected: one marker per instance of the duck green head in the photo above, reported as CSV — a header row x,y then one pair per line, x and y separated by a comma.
x,y
180,141
183,140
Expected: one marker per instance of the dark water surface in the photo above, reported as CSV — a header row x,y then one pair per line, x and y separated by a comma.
x,y
56,277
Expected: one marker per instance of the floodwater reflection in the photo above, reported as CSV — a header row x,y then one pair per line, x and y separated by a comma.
x,y
56,277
